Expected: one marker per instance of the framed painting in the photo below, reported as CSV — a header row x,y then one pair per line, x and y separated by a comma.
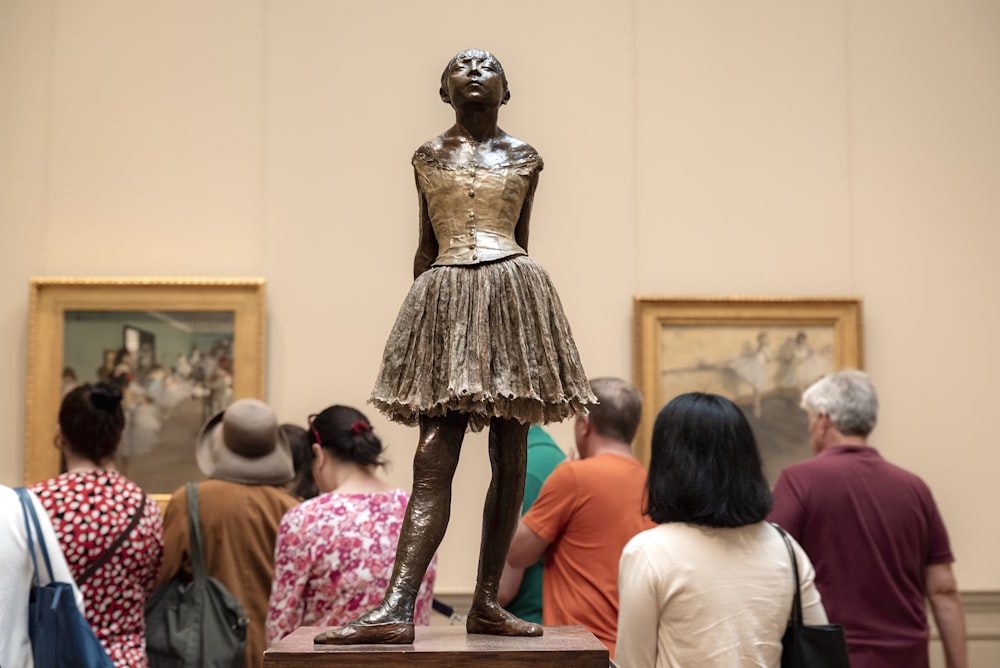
x,y
180,349
759,352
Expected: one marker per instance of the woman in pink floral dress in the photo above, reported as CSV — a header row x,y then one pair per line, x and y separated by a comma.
x,y
335,552
91,505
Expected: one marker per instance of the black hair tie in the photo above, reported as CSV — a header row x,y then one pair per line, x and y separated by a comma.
x,y
105,398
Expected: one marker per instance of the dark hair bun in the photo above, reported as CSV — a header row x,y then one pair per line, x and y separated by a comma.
x,y
348,434
106,397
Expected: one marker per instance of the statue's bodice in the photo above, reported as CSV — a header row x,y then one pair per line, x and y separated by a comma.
x,y
474,210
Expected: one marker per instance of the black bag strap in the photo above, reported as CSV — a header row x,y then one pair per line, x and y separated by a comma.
x,y
28,508
796,616
110,552
194,525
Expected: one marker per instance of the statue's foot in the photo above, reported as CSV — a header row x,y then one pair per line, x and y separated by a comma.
x,y
383,625
356,633
495,621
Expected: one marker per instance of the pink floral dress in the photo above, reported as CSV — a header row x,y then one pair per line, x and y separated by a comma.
x,y
89,509
333,559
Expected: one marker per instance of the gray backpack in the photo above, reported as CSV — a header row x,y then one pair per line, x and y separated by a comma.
x,y
195,622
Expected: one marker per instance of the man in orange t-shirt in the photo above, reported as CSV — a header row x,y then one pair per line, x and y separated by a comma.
x,y
585,513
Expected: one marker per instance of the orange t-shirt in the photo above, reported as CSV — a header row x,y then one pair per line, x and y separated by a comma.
x,y
588,509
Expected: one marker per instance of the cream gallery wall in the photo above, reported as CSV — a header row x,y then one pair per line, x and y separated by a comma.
x,y
830,148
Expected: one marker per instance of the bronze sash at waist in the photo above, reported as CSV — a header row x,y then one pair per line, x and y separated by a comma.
x,y
476,247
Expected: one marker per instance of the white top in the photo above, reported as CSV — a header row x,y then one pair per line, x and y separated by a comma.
x,y
16,571
697,596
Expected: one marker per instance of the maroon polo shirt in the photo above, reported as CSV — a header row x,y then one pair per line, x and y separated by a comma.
x,y
870,529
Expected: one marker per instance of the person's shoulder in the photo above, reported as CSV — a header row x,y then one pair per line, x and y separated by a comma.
x,y
399,495
620,462
542,450
592,463
814,466
61,483
42,486
598,471
538,436
227,492
302,512
646,537
389,504
572,465
180,492
656,545
796,469
565,473
130,488
904,476
836,461
277,494
211,489
128,485
318,502
800,479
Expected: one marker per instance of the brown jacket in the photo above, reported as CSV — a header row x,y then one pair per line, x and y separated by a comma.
x,y
239,524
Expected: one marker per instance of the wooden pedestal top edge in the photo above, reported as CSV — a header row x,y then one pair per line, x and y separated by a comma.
x,y
448,639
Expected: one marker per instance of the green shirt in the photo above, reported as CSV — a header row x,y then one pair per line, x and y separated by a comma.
x,y
543,456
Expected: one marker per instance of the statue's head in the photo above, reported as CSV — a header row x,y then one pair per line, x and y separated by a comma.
x,y
481,63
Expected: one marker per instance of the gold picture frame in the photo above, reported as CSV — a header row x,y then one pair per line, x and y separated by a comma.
x,y
758,351
105,314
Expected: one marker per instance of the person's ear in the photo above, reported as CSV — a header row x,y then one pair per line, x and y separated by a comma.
x,y
319,456
506,97
824,419
444,95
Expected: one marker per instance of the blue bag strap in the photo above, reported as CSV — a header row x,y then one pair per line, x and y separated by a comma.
x,y
194,525
27,530
28,508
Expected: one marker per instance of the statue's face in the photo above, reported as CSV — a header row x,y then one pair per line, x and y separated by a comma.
x,y
476,78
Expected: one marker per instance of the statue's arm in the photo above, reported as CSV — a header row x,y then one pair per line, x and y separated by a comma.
x,y
521,230
427,247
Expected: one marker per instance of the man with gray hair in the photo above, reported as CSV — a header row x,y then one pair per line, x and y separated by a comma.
x,y
872,531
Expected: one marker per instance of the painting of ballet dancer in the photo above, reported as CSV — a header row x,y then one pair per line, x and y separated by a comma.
x,y
759,352
179,350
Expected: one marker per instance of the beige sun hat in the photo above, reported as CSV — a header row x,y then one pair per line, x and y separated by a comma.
x,y
244,444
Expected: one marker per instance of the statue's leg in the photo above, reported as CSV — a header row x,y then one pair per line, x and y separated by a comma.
x,y
423,528
508,457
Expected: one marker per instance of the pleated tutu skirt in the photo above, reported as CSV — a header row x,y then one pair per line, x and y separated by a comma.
x,y
488,340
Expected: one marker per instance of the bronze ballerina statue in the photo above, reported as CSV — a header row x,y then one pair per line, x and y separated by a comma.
x,y
480,339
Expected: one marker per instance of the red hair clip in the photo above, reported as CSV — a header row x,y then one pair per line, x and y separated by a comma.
x,y
360,427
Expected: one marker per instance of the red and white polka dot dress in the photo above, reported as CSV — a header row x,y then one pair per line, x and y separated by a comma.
x,y
89,509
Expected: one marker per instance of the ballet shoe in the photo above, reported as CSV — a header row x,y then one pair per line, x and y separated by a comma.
x,y
499,622
390,633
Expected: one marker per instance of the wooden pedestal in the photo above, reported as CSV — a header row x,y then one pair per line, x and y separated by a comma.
x,y
446,647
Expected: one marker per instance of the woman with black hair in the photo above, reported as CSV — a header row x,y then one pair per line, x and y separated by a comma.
x,y
92,505
712,585
335,552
